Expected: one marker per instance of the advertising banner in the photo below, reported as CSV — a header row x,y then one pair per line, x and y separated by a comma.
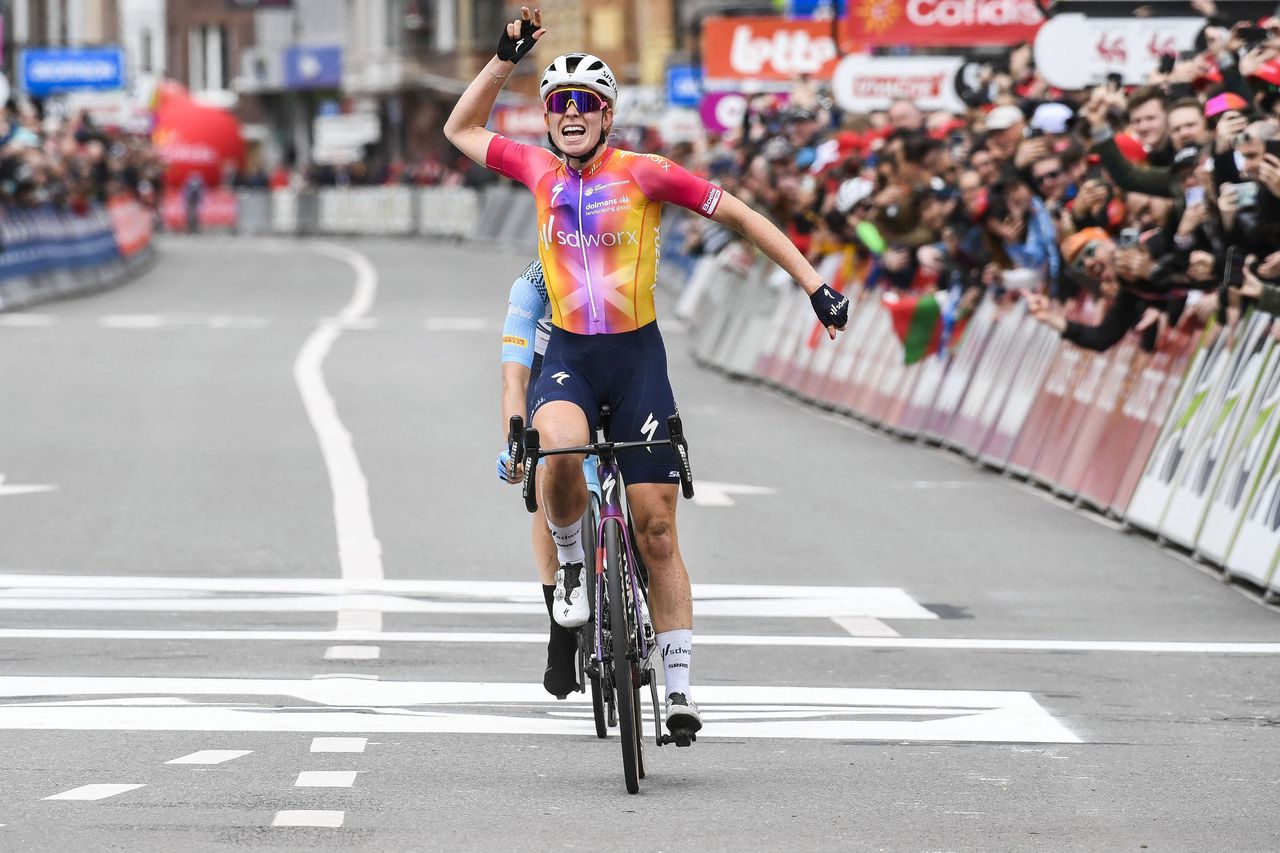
x,y
41,240
1253,553
862,83
1073,51
849,347
920,403
216,209
767,49
1024,388
1063,372
1208,366
1199,471
989,384
942,23
964,361
1144,411
48,70
769,365
131,224
1062,432
1248,455
1094,431
684,85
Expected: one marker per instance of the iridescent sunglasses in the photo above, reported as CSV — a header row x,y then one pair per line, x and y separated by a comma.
x,y
585,100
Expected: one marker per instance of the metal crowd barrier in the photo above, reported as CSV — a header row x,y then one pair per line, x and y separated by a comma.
x,y
1183,443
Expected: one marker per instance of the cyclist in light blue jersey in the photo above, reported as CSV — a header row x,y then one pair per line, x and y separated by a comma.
x,y
524,342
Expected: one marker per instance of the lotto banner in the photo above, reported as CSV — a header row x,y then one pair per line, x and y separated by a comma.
x,y
1151,497
751,51
1199,472
1248,455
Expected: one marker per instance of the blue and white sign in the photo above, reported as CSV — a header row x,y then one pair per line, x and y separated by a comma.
x,y
684,85
313,67
48,70
815,8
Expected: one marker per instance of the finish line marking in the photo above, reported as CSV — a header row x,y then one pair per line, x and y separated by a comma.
x,y
357,706
835,642
379,595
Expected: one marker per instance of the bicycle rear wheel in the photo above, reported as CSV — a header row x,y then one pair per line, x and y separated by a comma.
x,y
622,637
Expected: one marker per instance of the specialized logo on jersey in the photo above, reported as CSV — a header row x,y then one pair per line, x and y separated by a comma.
x,y
560,377
650,427
555,191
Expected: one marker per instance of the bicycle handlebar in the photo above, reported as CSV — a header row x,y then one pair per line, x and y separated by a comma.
x,y
532,452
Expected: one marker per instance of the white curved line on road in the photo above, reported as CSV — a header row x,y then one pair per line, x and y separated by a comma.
x,y
359,551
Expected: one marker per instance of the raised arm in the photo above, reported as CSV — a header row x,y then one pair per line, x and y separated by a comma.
x,y
465,127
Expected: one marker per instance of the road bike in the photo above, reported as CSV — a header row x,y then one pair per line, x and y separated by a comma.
x,y
622,647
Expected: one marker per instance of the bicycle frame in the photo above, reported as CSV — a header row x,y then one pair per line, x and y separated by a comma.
x,y
612,509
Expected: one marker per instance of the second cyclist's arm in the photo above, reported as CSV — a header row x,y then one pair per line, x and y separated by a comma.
x,y
519,335
765,236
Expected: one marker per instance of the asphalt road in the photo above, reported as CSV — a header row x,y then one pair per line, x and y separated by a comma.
x,y
248,520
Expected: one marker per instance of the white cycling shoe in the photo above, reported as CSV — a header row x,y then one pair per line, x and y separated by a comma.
x,y
682,718
570,607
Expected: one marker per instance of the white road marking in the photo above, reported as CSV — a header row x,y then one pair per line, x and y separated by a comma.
x,y
352,653
321,595
359,551
369,621
94,792
707,493
9,490
131,321
325,779
342,675
864,626
211,756
779,640
19,320
456,324
308,817
356,706
339,744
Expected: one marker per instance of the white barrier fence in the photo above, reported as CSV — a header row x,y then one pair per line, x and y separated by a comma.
x,y
1182,443
498,214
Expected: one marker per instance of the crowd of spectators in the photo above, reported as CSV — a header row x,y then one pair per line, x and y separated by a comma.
x,y
1158,202
68,163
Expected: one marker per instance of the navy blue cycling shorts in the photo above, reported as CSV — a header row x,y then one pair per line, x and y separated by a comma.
x,y
628,371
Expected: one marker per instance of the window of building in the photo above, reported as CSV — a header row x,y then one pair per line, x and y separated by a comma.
x,y
208,62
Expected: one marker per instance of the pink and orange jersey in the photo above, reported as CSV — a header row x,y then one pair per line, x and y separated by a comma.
x,y
598,229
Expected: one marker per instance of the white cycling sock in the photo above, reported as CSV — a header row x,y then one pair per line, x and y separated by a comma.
x,y
568,542
677,655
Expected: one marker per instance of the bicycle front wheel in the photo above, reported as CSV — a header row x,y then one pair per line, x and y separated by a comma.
x,y
590,530
622,635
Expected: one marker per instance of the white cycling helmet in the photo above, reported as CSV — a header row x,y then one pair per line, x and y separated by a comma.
x,y
580,69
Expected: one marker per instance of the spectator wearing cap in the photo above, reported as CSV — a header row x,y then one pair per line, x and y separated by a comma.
x,y
1005,126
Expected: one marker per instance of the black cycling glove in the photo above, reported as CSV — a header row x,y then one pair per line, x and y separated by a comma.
x,y
831,307
513,50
